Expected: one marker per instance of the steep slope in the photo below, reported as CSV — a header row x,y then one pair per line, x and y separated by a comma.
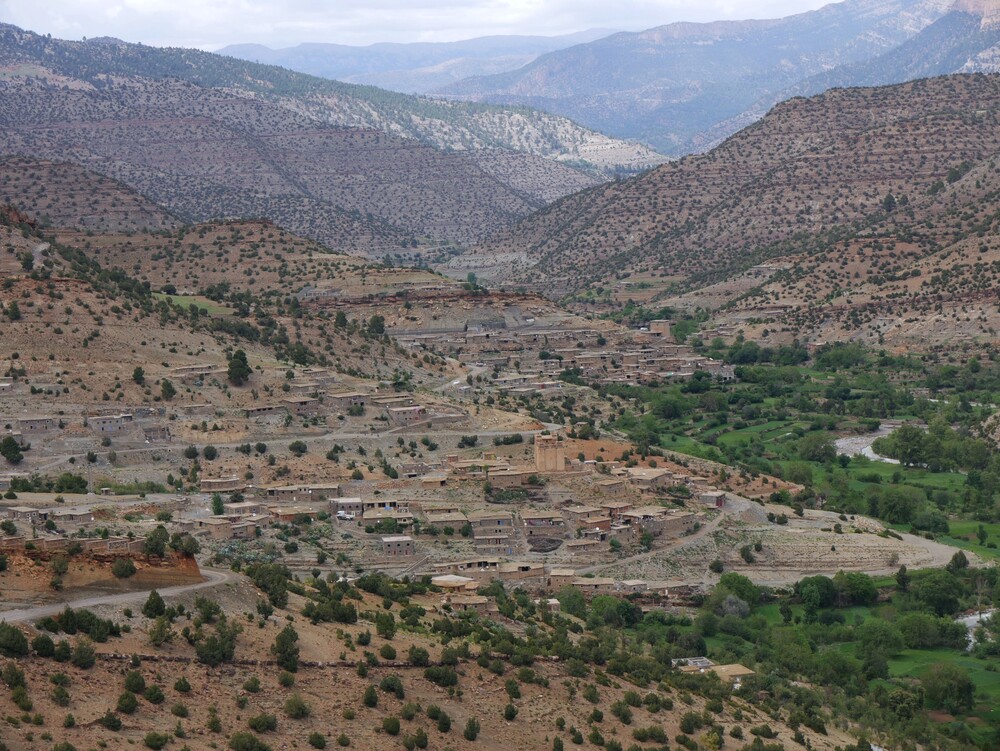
x,y
414,68
444,125
810,165
668,85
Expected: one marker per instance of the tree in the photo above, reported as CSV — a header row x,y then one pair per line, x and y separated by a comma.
x,y
902,579
938,590
139,375
878,639
817,447
156,542
210,453
284,649
154,606
909,441
10,449
123,568
299,448
376,325
239,370
217,504
948,687
167,390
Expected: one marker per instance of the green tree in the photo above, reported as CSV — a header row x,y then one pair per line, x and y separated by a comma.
x,y
139,375
948,687
167,390
239,370
156,542
154,605
10,449
217,504
13,643
285,650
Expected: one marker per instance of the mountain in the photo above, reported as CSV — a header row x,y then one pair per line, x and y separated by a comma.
x,y
184,130
669,86
811,166
444,125
415,68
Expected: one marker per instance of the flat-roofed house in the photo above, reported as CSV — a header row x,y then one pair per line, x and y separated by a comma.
x,y
543,523
491,523
397,546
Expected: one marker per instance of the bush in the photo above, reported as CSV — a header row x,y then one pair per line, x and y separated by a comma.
x,y
471,729
134,682
441,676
12,642
154,695
316,740
123,568
127,703
509,712
296,708
110,721
182,685
387,652
370,698
391,725
244,741
43,645
263,722
156,740
179,710
343,740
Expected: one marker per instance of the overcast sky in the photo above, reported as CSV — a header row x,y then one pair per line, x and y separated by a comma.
x,y
210,24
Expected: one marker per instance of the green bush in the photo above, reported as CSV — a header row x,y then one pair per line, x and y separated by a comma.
x,y
263,722
316,740
391,725
156,740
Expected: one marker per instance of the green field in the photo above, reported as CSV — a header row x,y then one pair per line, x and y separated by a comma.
x,y
201,302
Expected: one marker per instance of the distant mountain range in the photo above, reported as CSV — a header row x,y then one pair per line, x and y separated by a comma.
x,y
685,87
412,68
451,126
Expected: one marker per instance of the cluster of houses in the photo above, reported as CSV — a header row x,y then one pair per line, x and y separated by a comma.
x,y
648,355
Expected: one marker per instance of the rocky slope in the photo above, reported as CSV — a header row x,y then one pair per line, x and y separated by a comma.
x,y
811,166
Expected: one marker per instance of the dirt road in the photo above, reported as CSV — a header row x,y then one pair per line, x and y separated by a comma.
x,y
213,578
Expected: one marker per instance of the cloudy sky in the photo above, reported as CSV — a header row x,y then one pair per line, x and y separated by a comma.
x,y
210,24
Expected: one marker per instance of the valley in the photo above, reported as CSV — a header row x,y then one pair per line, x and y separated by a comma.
x,y
431,430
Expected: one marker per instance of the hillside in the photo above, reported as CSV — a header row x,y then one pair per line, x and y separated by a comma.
x,y
669,86
207,153
810,166
443,125
413,68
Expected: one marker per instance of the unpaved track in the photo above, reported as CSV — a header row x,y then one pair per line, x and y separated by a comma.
x,y
213,577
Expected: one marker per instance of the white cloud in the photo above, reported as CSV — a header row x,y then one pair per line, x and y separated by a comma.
x,y
210,24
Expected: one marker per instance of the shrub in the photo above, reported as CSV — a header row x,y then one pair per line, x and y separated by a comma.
x,y
387,652
179,710
371,697
244,741
12,642
509,712
316,740
343,740
471,729
296,708
110,721
441,676
156,740
182,685
127,703
391,725
134,682
252,684
153,694
263,722
43,645
123,568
